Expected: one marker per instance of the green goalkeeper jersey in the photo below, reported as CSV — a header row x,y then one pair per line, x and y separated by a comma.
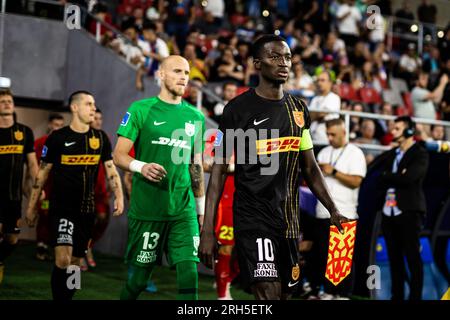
x,y
169,135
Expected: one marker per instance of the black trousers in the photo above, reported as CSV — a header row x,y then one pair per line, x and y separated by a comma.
x,y
402,240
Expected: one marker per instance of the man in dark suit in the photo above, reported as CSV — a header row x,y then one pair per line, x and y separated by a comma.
x,y
403,207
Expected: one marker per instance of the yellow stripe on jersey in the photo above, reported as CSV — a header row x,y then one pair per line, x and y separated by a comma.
x,y
283,144
80,159
12,148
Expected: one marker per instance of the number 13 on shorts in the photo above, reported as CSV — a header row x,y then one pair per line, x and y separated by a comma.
x,y
148,252
150,240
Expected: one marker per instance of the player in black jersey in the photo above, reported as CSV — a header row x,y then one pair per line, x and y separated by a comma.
x,y
16,149
74,153
268,129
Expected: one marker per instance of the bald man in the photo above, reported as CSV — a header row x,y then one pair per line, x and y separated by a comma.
x,y
167,201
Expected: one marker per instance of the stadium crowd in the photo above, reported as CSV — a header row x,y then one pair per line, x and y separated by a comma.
x,y
339,37
346,38
341,59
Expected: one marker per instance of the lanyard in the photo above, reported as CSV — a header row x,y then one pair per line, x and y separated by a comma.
x,y
333,164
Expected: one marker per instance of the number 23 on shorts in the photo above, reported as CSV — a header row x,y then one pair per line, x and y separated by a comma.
x,y
226,233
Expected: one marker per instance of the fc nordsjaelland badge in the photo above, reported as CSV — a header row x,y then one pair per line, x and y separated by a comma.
x,y
94,143
18,135
299,118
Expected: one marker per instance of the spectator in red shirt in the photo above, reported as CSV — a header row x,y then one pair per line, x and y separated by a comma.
x,y
101,13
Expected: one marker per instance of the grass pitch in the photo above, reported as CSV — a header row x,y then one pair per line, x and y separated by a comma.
x,y
26,278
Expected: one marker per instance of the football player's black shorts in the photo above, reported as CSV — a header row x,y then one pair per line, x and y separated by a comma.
x,y
10,214
264,258
70,227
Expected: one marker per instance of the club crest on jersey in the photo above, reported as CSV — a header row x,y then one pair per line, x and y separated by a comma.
x,y
125,119
299,118
295,272
18,135
189,128
94,143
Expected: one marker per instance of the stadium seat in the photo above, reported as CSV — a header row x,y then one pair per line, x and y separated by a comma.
x,y
370,95
307,200
434,284
382,261
238,20
393,97
347,92
447,255
448,251
408,103
401,111
398,84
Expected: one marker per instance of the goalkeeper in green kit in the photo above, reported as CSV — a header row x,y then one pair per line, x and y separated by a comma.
x,y
168,184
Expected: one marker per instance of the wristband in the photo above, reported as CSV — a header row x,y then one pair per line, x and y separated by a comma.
x,y
136,166
200,204
334,172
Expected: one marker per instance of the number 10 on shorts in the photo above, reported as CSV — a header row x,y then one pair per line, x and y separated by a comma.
x,y
265,249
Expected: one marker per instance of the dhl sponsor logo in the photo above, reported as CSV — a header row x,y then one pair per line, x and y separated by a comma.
x,y
13,148
282,144
81,159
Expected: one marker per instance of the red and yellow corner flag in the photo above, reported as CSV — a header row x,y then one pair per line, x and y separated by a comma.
x,y
340,252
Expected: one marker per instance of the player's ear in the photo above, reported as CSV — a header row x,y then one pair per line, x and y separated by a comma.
x,y
257,63
160,73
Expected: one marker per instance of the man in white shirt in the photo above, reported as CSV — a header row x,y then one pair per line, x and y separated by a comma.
x,y
325,100
216,7
344,167
133,49
422,98
349,17
376,27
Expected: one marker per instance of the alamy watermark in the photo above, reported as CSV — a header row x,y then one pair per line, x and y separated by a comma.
x,y
72,17
374,277
262,146
374,20
74,280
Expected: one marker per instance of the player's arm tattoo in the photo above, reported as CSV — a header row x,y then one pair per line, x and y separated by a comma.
x,y
39,182
113,178
197,176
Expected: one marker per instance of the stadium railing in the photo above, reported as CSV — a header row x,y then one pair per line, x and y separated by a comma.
x,y
375,116
417,32
212,96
